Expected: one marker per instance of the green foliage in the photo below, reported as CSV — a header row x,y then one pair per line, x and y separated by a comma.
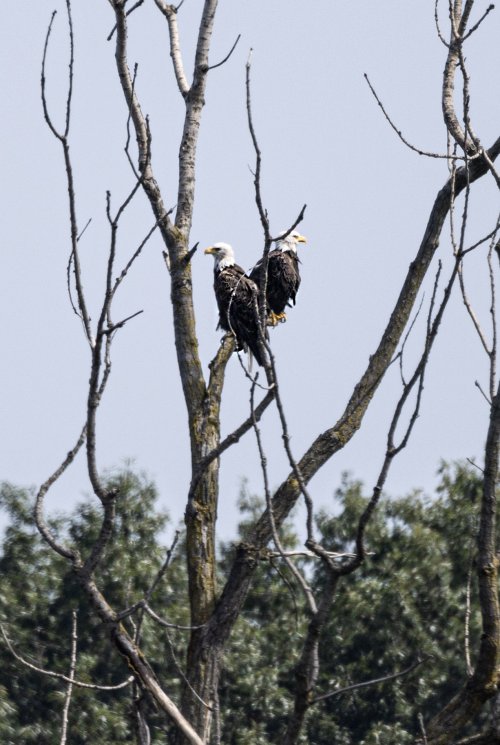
x,y
255,695
38,594
407,600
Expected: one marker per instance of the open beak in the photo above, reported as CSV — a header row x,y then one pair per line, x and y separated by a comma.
x,y
301,239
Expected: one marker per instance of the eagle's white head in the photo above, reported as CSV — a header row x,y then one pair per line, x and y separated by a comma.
x,y
223,255
290,242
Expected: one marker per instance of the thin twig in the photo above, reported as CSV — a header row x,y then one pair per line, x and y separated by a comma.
x,y
258,156
104,331
493,315
120,324
134,7
298,220
306,589
270,367
489,236
68,271
187,258
375,681
164,567
134,256
293,463
398,131
438,29
143,733
108,500
289,585
125,202
138,176
129,612
60,676
481,470
84,229
403,345
72,669
472,314
63,139
68,284
421,724
182,674
466,100
41,524
154,584
177,665
217,718
392,449
167,624
310,554
468,662
212,67
479,387
476,25
46,113
70,70
460,249
230,440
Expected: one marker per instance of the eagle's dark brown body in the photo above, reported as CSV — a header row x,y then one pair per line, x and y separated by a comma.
x,y
237,299
283,278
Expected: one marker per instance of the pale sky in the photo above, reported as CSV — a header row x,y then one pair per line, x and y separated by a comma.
x,y
324,142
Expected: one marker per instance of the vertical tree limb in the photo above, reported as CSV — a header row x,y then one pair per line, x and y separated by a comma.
x,y
72,669
482,685
170,13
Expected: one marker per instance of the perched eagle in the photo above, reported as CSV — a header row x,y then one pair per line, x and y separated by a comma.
x,y
283,276
237,299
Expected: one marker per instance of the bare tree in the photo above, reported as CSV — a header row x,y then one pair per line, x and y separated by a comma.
x,y
214,611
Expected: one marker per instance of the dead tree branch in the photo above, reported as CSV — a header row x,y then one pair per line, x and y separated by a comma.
x,y
449,722
375,681
403,139
71,680
41,523
301,580
170,13
72,669
131,10
63,139
223,62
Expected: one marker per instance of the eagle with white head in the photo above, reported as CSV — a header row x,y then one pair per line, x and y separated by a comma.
x,y
237,299
283,275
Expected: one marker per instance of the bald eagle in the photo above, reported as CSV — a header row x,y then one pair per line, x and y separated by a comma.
x,y
283,276
237,299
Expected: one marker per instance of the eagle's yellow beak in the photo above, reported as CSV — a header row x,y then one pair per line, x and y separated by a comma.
x,y
209,250
301,239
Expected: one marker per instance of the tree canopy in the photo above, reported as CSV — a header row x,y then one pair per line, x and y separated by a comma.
x,y
408,604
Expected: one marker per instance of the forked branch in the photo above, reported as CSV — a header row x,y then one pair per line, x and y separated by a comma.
x,y
63,139
170,13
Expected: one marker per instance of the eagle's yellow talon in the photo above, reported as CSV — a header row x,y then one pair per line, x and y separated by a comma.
x,y
272,319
